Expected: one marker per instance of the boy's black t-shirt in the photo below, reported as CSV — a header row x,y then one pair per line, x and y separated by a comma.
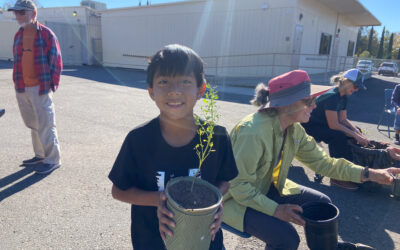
x,y
330,100
146,161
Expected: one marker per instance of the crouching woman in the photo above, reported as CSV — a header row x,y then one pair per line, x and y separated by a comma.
x,y
261,200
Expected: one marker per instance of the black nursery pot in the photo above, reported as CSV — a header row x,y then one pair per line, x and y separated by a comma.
x,y
321,225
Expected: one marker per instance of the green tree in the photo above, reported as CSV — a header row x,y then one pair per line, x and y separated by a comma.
x,y
365,54
398,55
358,43
371,34
362,40
380,50
396,41
390,47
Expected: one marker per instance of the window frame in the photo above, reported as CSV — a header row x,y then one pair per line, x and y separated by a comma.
x,y
350,53
325,49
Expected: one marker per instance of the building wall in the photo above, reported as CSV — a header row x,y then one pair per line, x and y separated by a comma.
x,y
79,32
8,29
64,15
212,28
318,19
76,34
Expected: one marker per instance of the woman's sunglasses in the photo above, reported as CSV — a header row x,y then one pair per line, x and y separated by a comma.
x,y
309,101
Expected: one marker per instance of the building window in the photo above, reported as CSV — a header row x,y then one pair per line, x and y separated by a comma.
x,y
325,45
350,49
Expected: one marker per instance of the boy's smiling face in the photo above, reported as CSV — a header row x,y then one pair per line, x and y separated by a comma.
x,y
176,96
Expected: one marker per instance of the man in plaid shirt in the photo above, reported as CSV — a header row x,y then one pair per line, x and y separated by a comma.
x,y
36,75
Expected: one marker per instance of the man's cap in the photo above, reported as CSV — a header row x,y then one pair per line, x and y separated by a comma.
x,y
356,77
291,87
23,5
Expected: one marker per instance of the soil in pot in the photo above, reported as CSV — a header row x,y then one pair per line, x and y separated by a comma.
x,y
201,196
376,145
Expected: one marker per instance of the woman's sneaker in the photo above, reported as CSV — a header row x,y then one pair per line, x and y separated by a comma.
x,y
34,160
396,139
344,184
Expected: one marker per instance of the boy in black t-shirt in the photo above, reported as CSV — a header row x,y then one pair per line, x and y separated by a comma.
x,y
163,148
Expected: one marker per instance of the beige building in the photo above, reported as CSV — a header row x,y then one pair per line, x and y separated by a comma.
x,y
240,37
77,29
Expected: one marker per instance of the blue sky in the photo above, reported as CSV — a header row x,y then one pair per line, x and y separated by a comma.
x,y
387,11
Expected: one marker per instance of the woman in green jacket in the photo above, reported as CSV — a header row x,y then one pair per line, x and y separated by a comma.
x,y
261,200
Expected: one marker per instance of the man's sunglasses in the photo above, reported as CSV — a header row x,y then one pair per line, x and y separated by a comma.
x,y
20,12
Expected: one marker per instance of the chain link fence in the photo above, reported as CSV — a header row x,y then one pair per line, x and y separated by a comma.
x,y
255,67
376,62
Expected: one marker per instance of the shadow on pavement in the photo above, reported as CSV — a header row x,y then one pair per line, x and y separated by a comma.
x,y
364,106
365,217
19,186
6,64
133,78
117,76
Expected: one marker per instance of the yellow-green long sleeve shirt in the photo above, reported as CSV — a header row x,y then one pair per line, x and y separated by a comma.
x,y
256,141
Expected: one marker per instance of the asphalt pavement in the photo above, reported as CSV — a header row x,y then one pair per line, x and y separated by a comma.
x,y
96,107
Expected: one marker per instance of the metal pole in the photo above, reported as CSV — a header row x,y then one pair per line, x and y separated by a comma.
x,y
326,69
216,69
273,65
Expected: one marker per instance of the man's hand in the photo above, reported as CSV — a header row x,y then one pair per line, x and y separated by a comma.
x,y
215,226
383,176
398,111
164,217
290,213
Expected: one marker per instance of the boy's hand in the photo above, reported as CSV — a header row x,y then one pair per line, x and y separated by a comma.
x,y
164,217
215,226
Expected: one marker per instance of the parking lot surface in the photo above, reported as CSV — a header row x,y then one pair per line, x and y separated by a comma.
x,y
72,208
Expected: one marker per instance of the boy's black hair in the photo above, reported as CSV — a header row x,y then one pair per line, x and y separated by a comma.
x,y
175,59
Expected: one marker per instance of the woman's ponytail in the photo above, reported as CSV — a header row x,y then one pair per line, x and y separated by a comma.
x,y
261,95
337,79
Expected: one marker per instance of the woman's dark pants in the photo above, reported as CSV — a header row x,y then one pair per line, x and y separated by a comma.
x,y
336,140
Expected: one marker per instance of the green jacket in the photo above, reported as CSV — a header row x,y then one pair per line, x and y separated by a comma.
x,y
256,141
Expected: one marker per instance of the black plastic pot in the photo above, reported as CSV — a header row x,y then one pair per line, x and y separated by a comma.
x,y
192,229
321,225
374,156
